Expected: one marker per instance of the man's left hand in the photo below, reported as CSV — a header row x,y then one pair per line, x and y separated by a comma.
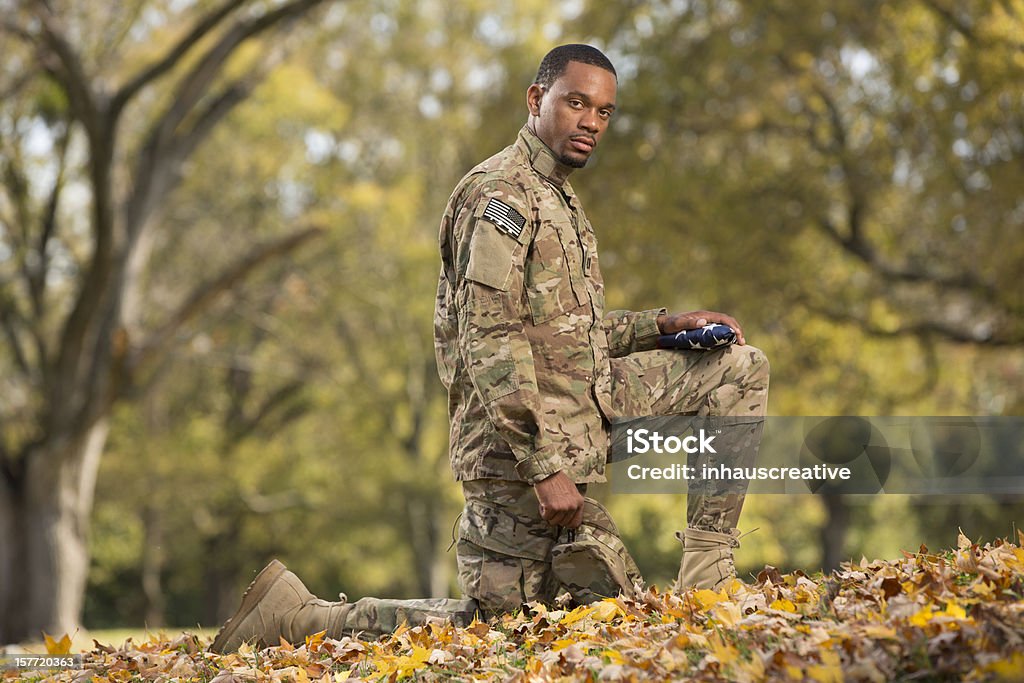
x,y
677,322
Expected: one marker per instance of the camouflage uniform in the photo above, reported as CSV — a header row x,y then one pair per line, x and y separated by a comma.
x,y
535,369
535,372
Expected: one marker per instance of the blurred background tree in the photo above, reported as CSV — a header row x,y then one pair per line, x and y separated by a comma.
x,y
103,108
843,177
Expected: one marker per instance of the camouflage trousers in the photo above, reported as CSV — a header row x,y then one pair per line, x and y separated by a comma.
x,y
374,617
508,555
731,383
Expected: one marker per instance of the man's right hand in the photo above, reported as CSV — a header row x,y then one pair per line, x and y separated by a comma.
x,y
677,322
560,501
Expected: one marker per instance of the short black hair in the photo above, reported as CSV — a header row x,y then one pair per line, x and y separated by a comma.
x,y
555,62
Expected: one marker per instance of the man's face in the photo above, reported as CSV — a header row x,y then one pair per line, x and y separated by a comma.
x,y
573,113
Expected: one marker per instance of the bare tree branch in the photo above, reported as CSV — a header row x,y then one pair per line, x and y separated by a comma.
x,y
156,170
867,255
13,28
209,66
951,18
275,404
1009,8
65,391
69,71
7,315
230,97
967,30
265,504
18,85
165,147
204,294
37,279
855,242
174,55
121,17
921,328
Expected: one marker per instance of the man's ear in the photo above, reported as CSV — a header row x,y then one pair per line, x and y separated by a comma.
x,y
533,97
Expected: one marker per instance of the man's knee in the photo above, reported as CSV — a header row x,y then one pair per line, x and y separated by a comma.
x,y
750,362
502,583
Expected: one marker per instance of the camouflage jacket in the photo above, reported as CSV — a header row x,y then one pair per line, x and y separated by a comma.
x,y
522,341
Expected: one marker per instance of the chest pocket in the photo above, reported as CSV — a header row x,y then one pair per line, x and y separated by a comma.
x,y
549,287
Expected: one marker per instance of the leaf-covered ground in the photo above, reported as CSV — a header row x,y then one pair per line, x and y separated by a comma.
x,y
956,615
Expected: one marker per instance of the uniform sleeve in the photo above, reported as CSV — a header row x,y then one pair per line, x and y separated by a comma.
x,y
630,331
491,337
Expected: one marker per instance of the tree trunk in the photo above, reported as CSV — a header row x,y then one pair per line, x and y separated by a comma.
x,y
425,523
45,549
153,565
11,573
833,534
440,573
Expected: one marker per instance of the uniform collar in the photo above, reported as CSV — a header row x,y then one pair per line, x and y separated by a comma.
x,y
542,159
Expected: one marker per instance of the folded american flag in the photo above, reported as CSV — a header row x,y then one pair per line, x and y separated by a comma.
x,y
711,336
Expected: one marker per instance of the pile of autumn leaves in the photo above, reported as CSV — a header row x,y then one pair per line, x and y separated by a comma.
x,y
956,615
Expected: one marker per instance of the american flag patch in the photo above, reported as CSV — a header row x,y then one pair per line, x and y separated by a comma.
x,y
505,217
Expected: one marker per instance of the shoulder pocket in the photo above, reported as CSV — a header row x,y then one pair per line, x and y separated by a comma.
x,y
491,257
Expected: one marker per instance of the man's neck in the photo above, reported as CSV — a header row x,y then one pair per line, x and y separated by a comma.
x,y
543,159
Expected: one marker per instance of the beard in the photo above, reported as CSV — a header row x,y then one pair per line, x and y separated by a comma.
x,y
573,162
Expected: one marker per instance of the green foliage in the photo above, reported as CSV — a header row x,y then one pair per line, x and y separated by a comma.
x,y
842,177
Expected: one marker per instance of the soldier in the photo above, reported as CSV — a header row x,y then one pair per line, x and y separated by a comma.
x,y
535,372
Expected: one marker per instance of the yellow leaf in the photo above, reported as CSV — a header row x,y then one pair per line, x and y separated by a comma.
x,y
878,631
954,610
922,618
753,670
314,641
1007,669
727,613
342,676
829,671
606,611
408,664
825,674
292,674
983,589
784,605
723,652
561,644
57,647
706,598
577,614
385,666
614,656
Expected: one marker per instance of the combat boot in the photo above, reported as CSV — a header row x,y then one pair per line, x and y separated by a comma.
x,y
707,559
277,605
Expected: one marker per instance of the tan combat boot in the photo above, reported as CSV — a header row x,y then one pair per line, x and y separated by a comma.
x,y
707,559
277,605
